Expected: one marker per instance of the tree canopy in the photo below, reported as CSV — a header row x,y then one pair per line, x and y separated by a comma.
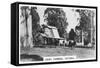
x,y
85,21
56,17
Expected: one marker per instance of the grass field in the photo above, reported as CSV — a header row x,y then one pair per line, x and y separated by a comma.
x,y
80,53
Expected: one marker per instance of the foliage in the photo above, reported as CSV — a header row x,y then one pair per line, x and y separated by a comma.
x,y
86,22
35,24
56,17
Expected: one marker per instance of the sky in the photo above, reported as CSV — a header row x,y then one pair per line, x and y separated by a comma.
x,y
71,16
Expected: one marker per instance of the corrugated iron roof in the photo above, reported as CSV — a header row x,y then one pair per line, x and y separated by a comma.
x,y
51,32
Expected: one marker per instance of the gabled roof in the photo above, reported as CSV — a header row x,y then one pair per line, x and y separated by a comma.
x,y
52,32
52,27
47,26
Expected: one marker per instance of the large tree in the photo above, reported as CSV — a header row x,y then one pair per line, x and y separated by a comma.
x,y
56,17
24,15
86,22
26,12
35,24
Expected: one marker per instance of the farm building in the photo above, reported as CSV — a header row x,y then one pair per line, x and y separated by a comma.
x,y
51,35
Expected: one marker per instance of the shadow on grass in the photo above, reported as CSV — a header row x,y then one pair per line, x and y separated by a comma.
x,y
33,57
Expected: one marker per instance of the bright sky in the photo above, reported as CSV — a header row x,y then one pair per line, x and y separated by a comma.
x,y
72,17
70,14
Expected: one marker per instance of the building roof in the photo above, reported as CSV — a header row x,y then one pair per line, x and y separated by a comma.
x,y
52,27
51,32
47,26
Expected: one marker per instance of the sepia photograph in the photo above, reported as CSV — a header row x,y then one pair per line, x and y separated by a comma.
x,y
56,33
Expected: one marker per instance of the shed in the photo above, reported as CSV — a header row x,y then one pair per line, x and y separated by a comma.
x,y
51,35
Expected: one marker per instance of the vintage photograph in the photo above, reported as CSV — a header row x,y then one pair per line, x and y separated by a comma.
x,y
56,33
